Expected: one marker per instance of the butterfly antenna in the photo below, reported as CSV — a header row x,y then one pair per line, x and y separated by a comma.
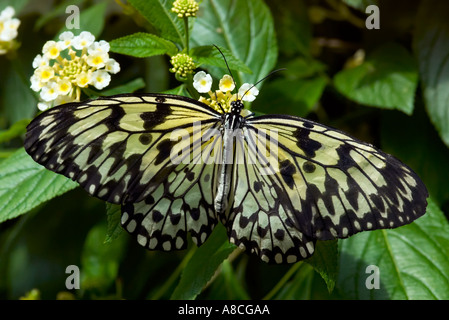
x,y
227,66
219,104
268,75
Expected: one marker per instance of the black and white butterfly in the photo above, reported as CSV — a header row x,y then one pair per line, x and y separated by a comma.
x,y
323,185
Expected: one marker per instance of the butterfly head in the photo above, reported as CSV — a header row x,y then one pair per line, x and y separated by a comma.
x,y
236,106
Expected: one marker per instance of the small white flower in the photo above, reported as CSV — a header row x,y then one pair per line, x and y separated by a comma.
x,y
63,99
8,25
99,47
226,83
36,83
248,92
9,30
112,66
64,87
83,79
7,13
40,61
42,106
100,79
202,82
66,39
49,91
45,73
85,39
97,59
51,49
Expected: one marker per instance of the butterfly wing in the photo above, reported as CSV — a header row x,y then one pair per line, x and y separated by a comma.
x,y
322,184
121,150
182,202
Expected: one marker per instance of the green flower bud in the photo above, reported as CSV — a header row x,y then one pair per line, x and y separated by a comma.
x,y
185,8
182,65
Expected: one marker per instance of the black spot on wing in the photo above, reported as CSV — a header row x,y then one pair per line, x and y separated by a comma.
x,y
164,148
145,138
279,234
308,167
287,170
307,145
160,99
152,119
157,216
257,185
308,125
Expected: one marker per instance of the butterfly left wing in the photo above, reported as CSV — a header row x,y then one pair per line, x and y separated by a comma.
x,y
322,184
121,150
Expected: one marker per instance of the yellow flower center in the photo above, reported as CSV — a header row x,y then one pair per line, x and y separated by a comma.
x,y
97,60
54,52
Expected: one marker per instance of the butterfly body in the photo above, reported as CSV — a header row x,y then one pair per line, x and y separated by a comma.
x,y
231,123
177,166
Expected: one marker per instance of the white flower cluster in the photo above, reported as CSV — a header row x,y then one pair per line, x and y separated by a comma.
x,y
67,65
8,29
202,82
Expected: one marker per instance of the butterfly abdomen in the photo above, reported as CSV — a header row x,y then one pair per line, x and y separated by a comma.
x,y
231,124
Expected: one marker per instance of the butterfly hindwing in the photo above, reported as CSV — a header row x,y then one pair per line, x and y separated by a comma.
x,y
261,219
182,203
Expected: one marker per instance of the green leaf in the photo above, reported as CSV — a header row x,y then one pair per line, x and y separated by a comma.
x,y
17,97
431,46
413,260
229,285
16,4
15,130
113,213
387,79
57,11
142,45
300,287
180,90
158,13
360,4
24,184
91,19
297,97
243,27
325,262
422,149
303,68
210,55
293,27
203,265
129,87
100,262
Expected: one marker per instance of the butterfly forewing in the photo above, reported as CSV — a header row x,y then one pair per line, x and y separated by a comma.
x,y
117,148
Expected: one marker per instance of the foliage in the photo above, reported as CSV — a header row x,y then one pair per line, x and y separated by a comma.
x,y
384,86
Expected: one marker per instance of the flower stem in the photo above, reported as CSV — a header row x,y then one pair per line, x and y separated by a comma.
x,y
283,281
174,276
186,27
